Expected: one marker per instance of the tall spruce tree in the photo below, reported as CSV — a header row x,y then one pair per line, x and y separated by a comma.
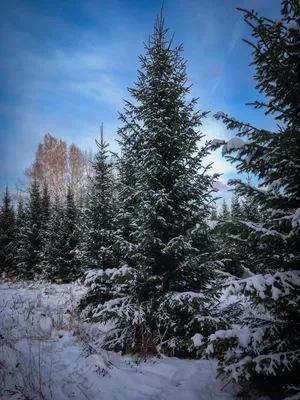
x,y
61,241
250,209
223,233
71,267
21,212
99,213
236,209
224,212
160,298
97,250
29,253
266,350
7,234
22,255
53,252
214,213
45,215
34,227
45,207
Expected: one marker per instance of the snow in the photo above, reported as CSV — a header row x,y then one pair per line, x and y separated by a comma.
x,y
259,284
246,129
293,26
294,397
296,218
234,143
259,228
197,340
212,224
47,352
217,142
245,336
181,296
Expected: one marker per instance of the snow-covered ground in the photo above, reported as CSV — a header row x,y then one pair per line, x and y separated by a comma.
x,y
46,352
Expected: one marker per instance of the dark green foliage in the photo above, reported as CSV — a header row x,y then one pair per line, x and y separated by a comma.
x,y
98,247
223,232
273,242
45,207
45,215
21,212
250,209
214,213
98,234
30,235
224,212
60,258
236,209
34,229
52,262
7,234
161,297
71,267
22,255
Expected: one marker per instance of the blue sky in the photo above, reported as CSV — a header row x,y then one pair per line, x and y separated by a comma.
x,y
65,67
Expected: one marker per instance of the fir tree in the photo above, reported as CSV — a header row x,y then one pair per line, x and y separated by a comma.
x,y
267,350
21,212
45,207
22,255
53,263
34,227
45,215
236,209
61,243
97,248
250,209
224,232
99,214
214,213
160,297
70,267
30,235
7,234
224,212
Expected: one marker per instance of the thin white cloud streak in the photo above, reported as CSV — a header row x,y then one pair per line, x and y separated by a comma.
x,y
102,90
216,85
84,60
235,35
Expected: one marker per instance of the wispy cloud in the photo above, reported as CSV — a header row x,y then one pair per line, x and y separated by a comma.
x,y
235,35
103,90
216,84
